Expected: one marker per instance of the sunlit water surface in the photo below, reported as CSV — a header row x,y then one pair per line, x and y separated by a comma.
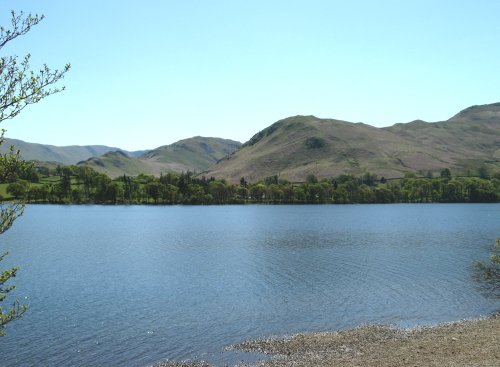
x,y
133,285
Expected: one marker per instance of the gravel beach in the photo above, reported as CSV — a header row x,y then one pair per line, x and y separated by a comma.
x,y
465,343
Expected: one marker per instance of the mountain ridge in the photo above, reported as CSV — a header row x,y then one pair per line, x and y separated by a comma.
x,y
194,154
69,154
298,146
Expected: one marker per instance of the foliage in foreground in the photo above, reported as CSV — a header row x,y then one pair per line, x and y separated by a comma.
x,y
8,214
20,86
491,270
488,273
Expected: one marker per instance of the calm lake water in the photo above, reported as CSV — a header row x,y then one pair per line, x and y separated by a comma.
x,y
133,285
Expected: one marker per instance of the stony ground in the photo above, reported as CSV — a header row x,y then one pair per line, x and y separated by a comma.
x,y
467,343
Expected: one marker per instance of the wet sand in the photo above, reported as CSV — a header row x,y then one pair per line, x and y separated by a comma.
x,y
465,343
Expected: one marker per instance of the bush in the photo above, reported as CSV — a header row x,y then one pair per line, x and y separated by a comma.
x,y
489,273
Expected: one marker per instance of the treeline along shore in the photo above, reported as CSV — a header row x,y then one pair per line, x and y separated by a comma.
x,y
83,185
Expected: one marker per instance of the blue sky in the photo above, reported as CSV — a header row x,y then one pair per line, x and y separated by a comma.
x,y
148,73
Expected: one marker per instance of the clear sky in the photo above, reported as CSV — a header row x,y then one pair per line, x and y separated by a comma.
x,y
148,73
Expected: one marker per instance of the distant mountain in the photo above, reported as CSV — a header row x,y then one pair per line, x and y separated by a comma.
x,y
472,134
298,146
66,155
195,154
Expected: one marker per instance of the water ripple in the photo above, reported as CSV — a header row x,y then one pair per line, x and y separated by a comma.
x,y
129,286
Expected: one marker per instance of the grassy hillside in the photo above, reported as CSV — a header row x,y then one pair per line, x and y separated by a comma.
x,y
298,146
194,154
473,134
115,164
198,153
66,155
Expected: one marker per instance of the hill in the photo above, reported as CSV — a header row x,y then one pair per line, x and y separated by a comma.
x,y
65,155
195,154
469,138
301,145
117,163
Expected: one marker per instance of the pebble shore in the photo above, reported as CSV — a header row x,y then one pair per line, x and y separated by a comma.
x,y
465,343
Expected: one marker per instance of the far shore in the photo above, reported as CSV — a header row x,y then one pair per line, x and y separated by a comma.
x,y
464,343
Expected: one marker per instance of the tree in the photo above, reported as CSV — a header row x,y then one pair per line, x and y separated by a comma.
x,y
483,172
20,86
18,189
369,179
312,179
445,173
153,190
220,191
258,192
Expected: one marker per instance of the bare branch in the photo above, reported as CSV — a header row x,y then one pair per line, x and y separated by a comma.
x,y
20,86
20,25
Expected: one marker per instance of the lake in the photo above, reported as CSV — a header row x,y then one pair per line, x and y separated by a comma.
x,y
133,285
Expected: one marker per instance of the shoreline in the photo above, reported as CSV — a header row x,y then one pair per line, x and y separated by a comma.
x,y
462,343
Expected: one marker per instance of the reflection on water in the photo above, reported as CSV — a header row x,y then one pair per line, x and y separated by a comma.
x,y
131,285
